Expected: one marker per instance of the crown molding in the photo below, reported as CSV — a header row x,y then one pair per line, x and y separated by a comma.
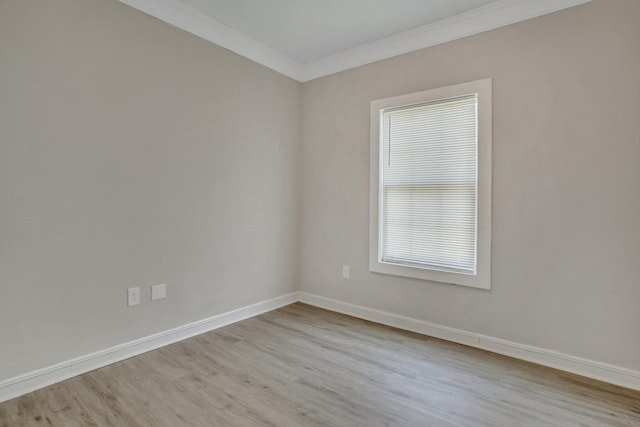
x,y
489,17
196,22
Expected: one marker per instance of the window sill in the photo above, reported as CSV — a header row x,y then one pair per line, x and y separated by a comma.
x,y
478,280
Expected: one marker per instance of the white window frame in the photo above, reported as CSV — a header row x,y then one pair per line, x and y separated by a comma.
x,y
482,278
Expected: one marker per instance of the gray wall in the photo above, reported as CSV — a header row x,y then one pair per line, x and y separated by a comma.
x,y
566,193
131,154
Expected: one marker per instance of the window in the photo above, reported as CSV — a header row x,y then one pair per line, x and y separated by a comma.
x,y
431,185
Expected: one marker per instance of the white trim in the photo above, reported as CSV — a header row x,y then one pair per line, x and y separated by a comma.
x,y
587,368
489,17
196,22
482,278
17,386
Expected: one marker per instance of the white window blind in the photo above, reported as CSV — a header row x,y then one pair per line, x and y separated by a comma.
x,y
429,185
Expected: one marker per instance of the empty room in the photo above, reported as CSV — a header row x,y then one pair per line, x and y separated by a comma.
x,y
320,213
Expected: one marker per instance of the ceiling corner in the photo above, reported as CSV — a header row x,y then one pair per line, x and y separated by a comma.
x,y
494,15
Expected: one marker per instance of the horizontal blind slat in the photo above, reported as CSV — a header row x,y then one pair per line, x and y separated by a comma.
x,y
429,179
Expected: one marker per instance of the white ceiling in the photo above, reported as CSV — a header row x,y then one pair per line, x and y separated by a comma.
x,y
307,30
307,39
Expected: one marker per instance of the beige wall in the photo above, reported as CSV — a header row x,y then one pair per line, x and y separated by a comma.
x,y
566,191
131,154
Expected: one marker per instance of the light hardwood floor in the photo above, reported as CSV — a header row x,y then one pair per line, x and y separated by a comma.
x,y
303,366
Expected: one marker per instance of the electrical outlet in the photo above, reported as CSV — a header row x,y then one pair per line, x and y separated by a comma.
x,y
133,296
346,272
158,292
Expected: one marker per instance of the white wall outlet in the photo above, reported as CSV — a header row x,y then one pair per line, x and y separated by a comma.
x,y
158,292
133,296
346,272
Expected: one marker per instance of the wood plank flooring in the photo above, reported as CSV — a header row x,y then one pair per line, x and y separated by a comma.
x,y
303,366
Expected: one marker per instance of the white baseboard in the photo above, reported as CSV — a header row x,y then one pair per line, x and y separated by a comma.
x,y
17,386
587,368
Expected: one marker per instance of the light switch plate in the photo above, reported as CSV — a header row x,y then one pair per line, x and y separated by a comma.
x,y
158,292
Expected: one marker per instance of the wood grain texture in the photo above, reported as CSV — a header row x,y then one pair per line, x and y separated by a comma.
x,y
304,366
